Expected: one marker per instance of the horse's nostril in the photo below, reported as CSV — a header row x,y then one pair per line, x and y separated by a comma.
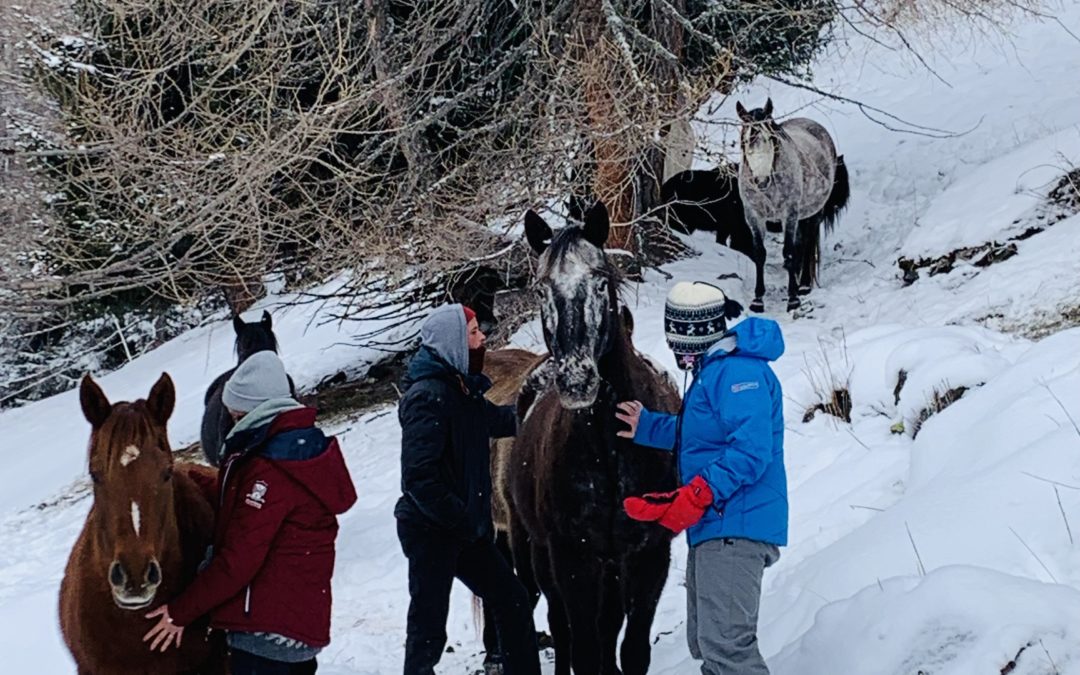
x,y
117,577
153,573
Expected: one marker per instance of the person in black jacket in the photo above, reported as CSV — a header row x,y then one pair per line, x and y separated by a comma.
x,y
444,514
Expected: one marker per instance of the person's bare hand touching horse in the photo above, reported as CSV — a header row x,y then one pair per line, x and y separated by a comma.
x,y
629,412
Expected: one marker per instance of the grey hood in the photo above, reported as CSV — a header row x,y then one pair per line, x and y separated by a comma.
x,y
444,332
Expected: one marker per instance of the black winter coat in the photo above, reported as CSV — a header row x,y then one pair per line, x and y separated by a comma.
x,y
446,429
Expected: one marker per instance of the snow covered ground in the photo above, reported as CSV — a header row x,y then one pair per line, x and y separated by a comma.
x,y
946,552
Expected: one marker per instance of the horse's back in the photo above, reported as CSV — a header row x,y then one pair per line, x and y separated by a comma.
x,y
815,152
703,200
215,387
215,420
808,133
815,149
507,370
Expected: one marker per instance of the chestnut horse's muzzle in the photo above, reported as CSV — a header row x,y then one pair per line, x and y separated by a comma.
x,y
130,595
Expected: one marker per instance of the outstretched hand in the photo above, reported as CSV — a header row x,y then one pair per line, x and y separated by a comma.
x,y
629,412
164,631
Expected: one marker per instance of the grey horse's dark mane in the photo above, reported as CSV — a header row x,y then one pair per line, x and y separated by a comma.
x,y
774,129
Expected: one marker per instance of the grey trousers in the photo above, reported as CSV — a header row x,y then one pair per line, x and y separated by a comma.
x,y
723,591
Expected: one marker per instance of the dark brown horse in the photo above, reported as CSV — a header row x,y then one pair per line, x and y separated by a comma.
x,y
251,337
596,567
143,539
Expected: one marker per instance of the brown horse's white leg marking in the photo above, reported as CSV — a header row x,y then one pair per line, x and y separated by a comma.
x,y
136,517
131,453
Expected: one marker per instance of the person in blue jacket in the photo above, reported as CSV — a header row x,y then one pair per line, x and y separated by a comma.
x,y
729,445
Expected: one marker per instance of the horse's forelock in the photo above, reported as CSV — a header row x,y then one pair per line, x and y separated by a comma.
x,y
254,337
129,425
574,270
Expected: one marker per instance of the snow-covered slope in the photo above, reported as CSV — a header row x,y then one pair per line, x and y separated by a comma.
x,y
949,551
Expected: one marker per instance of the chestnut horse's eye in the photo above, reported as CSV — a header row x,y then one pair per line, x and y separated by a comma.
x,y
166,476
95,477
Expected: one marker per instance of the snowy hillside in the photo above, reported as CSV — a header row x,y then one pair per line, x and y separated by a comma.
x,y
942,544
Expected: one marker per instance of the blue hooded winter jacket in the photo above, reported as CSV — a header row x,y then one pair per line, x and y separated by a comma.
x,y
733,436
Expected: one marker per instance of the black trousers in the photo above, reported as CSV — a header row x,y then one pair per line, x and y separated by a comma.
x,y
243,663
435,559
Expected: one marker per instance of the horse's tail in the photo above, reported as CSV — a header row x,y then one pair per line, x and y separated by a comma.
x,y
838,198
478,615
811,246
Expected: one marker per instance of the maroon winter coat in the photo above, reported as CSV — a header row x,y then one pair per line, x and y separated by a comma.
x,y
280,490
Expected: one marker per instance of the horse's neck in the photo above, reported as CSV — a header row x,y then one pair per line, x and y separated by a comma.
x,y
244,355
619,363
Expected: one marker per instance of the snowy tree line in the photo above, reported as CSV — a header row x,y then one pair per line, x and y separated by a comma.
x,y
162,158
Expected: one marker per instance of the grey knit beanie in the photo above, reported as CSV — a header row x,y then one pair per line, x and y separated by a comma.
x,y
258,379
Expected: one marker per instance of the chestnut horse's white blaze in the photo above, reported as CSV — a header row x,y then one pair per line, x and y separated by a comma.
x,y
136,517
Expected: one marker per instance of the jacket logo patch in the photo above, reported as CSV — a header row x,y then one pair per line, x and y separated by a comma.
x,y
743,386
257,496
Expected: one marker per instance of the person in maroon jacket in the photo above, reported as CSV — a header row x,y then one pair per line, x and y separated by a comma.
x,y
281,487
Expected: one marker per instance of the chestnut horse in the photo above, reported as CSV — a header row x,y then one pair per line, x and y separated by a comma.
x,y
147,531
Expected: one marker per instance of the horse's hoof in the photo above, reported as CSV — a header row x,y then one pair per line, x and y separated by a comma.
x,y
757,306
804,290
544,641
793,304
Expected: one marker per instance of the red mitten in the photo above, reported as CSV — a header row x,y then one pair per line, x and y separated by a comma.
x,y
676,510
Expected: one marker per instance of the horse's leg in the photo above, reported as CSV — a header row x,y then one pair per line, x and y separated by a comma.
x,y
558,624
521,555
491,634
808,243
791,255
611,618
577,574
644,577
756,225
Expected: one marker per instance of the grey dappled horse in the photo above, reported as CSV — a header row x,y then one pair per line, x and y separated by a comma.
x,y
790,174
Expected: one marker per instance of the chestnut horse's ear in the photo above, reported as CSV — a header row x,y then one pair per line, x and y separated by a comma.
x,y
537,231
627,320
95,405
266,320
162,399
768,107
238,324
744,115
597,224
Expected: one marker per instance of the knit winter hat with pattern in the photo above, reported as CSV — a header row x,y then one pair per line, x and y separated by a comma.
x,y
695,319
258,379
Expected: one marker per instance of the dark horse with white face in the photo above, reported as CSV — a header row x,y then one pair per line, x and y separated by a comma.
x,y
596,567
216,422
790,173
